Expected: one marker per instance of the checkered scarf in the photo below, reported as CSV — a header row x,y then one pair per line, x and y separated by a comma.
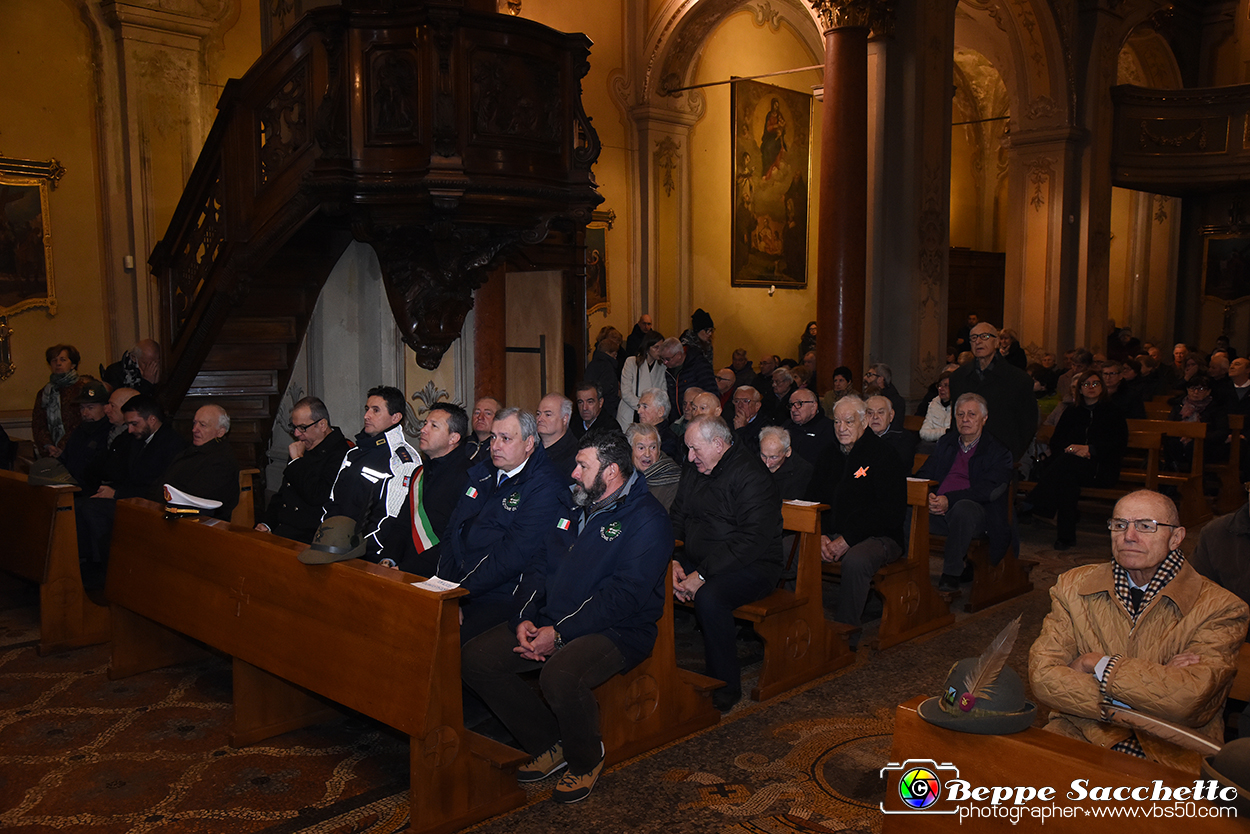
x,y
1166,572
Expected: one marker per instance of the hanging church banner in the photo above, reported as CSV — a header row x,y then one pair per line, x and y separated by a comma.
x,y
25,236
772,132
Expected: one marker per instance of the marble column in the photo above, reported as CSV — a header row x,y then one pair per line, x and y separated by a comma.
x,y
841,258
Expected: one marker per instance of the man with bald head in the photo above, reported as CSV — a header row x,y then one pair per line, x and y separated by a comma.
x,y
553,416
641,329
208,468
881,420
864,484
749,417
1145,632
477,444
706,404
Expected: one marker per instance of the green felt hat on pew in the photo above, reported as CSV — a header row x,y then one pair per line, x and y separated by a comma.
x,y
983,694
336,541
50,472
1231,768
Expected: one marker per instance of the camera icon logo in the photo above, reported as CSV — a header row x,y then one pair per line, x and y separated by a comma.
x,y
919,785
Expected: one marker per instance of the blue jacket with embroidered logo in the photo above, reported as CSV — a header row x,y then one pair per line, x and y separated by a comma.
x,y
609,578
494,535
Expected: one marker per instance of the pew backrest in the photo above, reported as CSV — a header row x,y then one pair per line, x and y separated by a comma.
x,y
28,519
254,600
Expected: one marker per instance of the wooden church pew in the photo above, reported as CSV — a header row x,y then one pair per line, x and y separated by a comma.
x,y
305,637
1033,758
41,544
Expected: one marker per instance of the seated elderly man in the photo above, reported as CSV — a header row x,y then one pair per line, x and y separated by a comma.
x,y
749,417
790,471
728,513
661,472
495,533
317,452
706,404
653,408
208,468
553,415
588,612
972,469
811,432
865,485
881,421
878,380
1144,630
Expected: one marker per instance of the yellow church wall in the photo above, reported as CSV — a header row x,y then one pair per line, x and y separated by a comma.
x,y
1118,279
745,317
48,106
965,207
602,22
52,113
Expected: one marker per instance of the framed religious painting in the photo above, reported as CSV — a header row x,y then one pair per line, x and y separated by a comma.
x,y
26,279
596,269
771,169
1226,263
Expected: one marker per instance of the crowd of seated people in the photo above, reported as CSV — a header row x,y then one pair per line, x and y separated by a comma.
x,y
499,499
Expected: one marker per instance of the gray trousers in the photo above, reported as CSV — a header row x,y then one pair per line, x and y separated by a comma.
x,y
963,522
859,564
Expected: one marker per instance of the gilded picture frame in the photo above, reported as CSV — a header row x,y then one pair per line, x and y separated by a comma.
x,y
597,269
27,280
770,176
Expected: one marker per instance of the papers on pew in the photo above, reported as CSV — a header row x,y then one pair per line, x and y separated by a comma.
x,y
437,585
794,502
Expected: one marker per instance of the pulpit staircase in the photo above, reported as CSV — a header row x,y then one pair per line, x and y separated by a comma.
x,y
445,135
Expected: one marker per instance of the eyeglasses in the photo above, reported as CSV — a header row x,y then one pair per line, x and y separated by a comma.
x,y
1091,384
982,337
801,403
742,400
293,428
1142,525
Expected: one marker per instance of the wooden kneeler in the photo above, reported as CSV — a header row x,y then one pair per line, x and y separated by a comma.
x,y
307,637
41,544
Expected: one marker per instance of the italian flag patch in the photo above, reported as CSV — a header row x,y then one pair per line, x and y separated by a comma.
x,y
471,492
563,524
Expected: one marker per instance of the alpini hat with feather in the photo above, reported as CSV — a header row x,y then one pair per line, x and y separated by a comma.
x,y
983,694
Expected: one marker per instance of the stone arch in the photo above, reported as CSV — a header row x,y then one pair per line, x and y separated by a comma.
x,y
676,40
1024,42
671,44
1026,45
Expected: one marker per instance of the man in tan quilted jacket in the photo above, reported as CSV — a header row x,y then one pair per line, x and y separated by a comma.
x,y
1144,631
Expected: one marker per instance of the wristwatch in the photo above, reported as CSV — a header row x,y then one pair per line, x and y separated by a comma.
x,y
559,639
